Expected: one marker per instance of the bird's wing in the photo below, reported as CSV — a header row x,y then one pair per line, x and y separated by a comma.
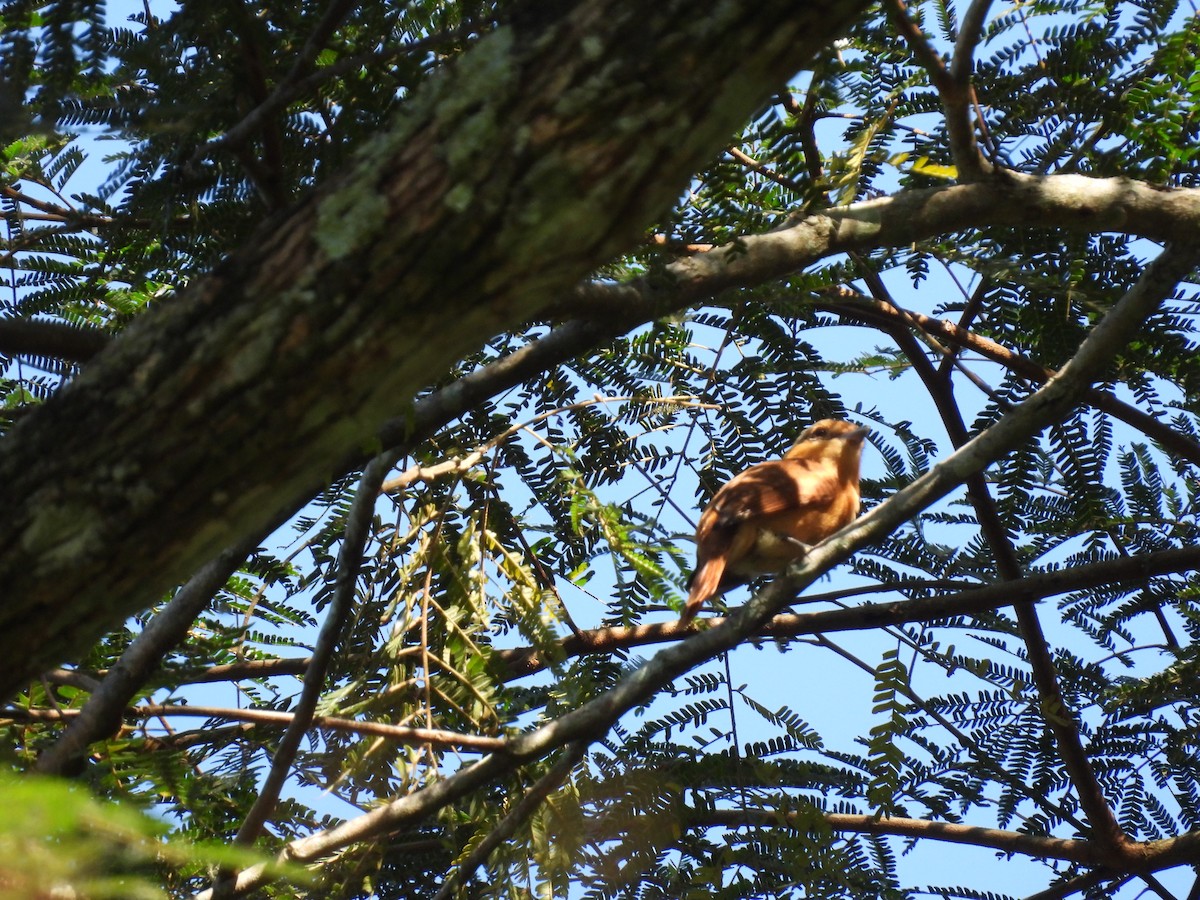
x,y
769,488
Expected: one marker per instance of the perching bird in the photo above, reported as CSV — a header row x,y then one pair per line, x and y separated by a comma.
x,y
771,514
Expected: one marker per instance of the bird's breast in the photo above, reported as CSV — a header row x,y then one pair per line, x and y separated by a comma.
x,y
812,524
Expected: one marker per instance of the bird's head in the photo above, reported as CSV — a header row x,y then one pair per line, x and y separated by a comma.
x,y
829,439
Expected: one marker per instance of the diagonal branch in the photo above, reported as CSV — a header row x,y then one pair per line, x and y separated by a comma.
x,y
1074,885
1058,718
521,813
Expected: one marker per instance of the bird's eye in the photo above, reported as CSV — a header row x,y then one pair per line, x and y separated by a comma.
x,y
820,432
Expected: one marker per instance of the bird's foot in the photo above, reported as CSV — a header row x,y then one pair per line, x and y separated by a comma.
x,y
802,547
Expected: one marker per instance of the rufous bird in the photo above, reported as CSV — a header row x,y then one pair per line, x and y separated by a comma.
x,y
771,514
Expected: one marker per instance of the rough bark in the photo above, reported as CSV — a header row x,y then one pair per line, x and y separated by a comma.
x,y
541,153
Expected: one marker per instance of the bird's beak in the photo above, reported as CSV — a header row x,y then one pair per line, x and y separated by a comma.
x,y
857,434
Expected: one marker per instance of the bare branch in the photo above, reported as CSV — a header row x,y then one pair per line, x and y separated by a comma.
x,y
250,668
1074,202
1084,852
1143,858
523,661
970,33
270,717
954,91
89,680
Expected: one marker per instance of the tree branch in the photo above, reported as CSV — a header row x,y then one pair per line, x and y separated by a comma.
x,y
1073,202
1074,885
250,668
57,340
1161,432
521,662
1143,858
954,87
524,661
399,734
970,33
1058,718
1084,852
534,797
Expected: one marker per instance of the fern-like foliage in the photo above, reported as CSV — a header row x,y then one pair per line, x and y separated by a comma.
x,y
550,524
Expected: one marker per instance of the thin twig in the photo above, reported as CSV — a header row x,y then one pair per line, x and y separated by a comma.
x,y
458,465
766,171
1158,887
271,717
971,310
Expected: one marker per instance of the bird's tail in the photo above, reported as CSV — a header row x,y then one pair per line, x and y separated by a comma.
x,y
705,583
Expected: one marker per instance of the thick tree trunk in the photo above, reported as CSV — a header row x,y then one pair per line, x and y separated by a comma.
x,y
538,155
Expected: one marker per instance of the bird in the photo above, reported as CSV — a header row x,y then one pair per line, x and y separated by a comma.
x,y
772,513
